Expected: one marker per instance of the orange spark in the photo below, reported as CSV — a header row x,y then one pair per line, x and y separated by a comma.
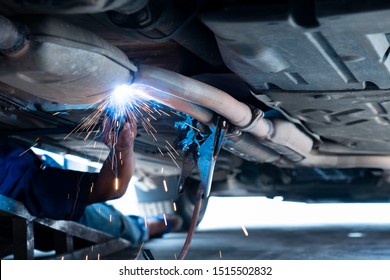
x,y
116,183
28,149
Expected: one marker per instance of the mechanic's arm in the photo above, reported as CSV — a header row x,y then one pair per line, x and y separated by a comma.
x,y
117,174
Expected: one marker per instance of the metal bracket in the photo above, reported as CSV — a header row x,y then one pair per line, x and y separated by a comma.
x,y
256,115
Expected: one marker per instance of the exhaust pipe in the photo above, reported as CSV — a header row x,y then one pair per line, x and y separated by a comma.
x,y
346,161
281,136
76,7
269,138
12,38
61,62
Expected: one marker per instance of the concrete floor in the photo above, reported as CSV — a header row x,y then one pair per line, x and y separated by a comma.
x,y
357,242
282,231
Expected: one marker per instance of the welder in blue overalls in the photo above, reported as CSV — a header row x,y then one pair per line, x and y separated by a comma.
x,y
70,195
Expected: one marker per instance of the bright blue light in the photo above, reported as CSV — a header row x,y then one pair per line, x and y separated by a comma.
x,y
121,93
120,102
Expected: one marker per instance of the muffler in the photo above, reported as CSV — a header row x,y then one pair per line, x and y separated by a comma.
x,y
61,62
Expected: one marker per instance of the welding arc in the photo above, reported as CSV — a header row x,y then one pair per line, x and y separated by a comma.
x,y
194,220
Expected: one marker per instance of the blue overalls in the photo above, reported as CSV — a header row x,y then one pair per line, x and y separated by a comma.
x,y
60,194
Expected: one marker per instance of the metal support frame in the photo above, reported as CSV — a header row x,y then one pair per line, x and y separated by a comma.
x,y
22,232
23,238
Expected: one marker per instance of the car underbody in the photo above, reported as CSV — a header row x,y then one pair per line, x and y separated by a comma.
x,y
303,84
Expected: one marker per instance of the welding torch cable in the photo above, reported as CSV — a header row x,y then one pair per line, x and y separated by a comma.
x,y
194,220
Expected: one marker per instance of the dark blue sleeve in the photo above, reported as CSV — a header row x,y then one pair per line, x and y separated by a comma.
x,y
45,192
60,194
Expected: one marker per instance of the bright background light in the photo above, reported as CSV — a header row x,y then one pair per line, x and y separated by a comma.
x,y
234,212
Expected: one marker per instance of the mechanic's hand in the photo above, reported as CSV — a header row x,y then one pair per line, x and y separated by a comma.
x,y
122,142
126,137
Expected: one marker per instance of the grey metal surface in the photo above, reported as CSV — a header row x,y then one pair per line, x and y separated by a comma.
x,y
265,47
69,68
357,119
76,7
327,75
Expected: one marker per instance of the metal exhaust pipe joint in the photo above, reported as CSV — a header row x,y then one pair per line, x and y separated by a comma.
x,y
281,136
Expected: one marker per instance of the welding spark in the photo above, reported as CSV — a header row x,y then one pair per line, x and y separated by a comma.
x,y
110,218
165,113
162,154
165,185
157,111
140,249
126,103
165,220
193,127
28,149
175,113
173,149
116,183
154,137
98,257
170,153
174,206
245,231
174,161
191,133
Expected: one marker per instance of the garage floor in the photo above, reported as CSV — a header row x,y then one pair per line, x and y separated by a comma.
x,y
284,243
282,231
